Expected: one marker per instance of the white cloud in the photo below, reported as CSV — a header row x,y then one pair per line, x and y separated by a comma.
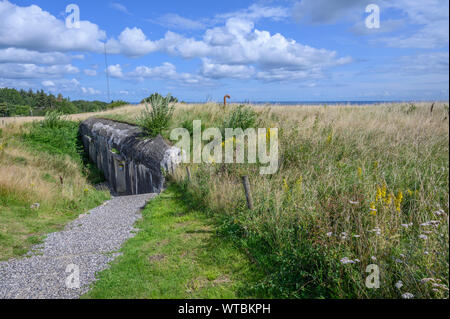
x,y
256,12
13,55
34,29
166,71
240,47
48,83
90,91
426,21
217,71
132,43
115,71
33,71
119,7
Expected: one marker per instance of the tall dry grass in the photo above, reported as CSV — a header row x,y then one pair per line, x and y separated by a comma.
x,y
357,185
33,201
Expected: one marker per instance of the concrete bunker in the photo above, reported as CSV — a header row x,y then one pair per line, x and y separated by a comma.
x,y
131,163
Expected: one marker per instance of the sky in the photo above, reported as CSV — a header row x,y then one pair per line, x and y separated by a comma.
x,y
201,50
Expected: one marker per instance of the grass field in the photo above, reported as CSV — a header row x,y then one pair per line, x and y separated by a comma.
x,y
33,201
357,185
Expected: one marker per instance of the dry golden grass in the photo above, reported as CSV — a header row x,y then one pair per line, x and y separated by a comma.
x,y
29,177
338,165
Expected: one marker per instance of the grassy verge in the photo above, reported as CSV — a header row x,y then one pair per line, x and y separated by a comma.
x,y
176,254
43,184
357,186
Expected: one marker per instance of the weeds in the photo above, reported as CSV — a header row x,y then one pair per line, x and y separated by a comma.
x,y
156,120
358,186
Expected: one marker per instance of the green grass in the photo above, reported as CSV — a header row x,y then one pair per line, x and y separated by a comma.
x,y
177,254
33,163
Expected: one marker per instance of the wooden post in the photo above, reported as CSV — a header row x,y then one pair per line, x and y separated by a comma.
x,y
188,172
248,193
432,108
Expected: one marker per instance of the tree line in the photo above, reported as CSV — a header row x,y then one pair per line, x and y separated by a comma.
x,y
29,103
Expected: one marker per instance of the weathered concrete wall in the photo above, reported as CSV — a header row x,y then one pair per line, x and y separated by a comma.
x,y
131,164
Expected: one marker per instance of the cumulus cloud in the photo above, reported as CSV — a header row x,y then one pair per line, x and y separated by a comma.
x,y
239,46
131,42
166,71
32,28
115,71
216,71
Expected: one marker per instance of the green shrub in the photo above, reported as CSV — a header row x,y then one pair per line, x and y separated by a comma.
x,y
53,119
156,120
242,117
55,136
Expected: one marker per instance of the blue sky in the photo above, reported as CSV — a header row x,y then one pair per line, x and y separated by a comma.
x,y
306,50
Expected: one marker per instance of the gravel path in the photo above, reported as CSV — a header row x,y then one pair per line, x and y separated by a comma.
x,y
89,244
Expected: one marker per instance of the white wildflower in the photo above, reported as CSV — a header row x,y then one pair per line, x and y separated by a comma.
x,y
346,260
408,295
399,284
407,225
329,234
425,280
373,258
353,203
376,230
357,236
424,237
439,212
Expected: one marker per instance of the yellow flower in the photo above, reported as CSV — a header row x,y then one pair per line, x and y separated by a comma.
x,y
360,172
384,191
410,192
285,185
330,138
373,210
379,194
375,165
388,200
398,201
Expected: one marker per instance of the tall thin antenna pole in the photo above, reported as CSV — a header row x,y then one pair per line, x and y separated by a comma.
x,y
107,73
